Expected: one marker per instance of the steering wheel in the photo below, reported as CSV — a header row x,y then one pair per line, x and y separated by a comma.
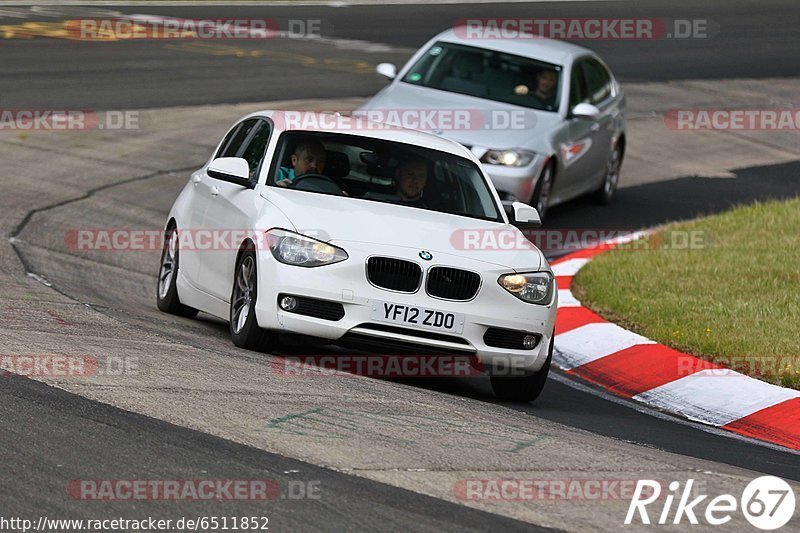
x,y
326,183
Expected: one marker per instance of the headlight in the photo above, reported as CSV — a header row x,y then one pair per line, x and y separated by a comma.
x,y
533,287
296,249
508,158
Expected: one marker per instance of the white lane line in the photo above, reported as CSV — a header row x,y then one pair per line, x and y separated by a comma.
x,y
716,397
591,342
341,44
357,44
18,13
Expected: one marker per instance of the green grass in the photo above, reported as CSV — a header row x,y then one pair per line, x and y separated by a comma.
x,y
733,299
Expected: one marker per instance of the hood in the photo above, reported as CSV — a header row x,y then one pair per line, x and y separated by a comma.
x,y
488,123
340,220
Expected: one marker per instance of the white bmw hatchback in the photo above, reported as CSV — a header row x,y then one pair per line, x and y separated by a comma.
x,y
358,235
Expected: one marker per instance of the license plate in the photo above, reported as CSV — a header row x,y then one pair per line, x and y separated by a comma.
x,y
420,317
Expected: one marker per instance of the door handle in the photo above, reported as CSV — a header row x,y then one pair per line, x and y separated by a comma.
x,y
196,180
214,191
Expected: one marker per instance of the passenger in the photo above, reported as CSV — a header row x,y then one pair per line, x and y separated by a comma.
x,y
412,175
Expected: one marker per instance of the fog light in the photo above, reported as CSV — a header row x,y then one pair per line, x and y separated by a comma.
x,y
529,341
288,303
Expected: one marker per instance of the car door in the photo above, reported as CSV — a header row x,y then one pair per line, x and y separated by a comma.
x,y
191,256
601,95
581,153
231,210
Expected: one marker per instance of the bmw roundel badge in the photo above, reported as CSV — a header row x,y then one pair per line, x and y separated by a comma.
x,y
426,255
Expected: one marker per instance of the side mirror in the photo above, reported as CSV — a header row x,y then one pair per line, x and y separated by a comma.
x,y
233,169
387,69
525,215
585,111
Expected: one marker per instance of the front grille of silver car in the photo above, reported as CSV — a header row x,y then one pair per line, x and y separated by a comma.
x,y
394,274
453,283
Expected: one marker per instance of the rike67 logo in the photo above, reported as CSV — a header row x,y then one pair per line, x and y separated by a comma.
x,y
767,502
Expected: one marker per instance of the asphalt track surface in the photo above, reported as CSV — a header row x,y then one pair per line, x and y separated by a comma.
x,y
149,448
754,41
43,427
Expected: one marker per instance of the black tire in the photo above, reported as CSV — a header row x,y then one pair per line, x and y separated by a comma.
x,y
544,187
523,388
245,332
605,193
166,287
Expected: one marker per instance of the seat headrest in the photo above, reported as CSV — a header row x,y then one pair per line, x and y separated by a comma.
x,y
337,164
468,64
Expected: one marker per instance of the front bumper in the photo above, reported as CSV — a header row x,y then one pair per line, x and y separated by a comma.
x,y
346,283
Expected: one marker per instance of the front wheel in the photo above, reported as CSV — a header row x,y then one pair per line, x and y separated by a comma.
x,y
605,193
544,186
525,388
244,329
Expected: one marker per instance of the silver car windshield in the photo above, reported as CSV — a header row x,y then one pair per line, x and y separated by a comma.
x,y
488,74
378,170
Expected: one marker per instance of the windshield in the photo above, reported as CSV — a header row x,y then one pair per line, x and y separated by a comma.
x,y
488,74
378,170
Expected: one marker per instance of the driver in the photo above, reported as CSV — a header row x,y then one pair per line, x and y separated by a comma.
x,y
546,88
308,158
